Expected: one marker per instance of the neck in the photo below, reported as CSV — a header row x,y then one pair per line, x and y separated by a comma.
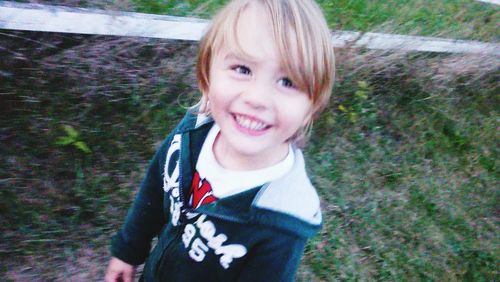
x,y
232,160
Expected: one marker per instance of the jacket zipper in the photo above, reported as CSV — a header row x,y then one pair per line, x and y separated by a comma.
x,y
167,249
185,205
180,227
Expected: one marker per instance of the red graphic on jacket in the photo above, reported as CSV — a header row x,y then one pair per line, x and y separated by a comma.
x,y
201,192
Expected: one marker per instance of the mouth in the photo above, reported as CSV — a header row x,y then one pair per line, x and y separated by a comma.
x,y
250,125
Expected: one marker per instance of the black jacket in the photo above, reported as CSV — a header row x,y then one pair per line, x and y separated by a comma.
x,y
256,235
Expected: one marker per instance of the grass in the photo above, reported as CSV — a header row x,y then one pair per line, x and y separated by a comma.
x,y
405,158
459,19
56,196
405,192
453,19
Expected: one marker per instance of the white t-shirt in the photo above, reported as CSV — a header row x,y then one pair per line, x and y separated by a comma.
x,y
226,182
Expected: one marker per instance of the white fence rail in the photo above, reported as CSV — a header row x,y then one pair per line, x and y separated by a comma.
x,y
496,2
35,17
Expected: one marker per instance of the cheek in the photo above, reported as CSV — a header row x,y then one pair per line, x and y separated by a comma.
x,y
222,90
219,99
216,96
295,117
301,107
302,113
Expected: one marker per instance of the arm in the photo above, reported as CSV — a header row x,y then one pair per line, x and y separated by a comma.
x,y
145,218
274,260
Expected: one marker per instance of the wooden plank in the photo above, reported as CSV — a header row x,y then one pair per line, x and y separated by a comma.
x,y
427,44
497,2
34,17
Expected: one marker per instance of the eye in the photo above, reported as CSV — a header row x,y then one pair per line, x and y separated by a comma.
x,y
286,82
241,69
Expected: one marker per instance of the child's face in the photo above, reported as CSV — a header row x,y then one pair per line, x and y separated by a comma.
x,y
252,99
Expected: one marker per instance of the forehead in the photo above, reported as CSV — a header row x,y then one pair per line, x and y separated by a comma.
x,y
251,35
258,32
255,29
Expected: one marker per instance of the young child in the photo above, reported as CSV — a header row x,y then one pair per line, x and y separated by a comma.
x,y
227,193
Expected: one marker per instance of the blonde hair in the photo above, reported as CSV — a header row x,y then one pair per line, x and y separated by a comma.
x,y
300,23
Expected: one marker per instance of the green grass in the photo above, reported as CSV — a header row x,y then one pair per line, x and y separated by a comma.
x,y
459,19
405,192
453,19
405,158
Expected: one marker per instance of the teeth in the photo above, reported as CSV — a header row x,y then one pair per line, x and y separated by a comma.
x,y
250,124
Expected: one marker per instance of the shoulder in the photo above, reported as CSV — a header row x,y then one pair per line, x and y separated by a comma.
x,y
193,120
189,123
292,198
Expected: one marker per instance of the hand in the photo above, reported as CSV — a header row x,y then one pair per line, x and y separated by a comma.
x,y
119,270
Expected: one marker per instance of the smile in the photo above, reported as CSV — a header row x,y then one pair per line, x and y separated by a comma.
x,y
248,123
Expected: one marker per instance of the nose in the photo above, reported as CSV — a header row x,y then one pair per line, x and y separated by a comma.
x,y
258,95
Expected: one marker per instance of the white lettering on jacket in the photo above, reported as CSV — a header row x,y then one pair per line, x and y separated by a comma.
x,y
171,181
197,248
207,231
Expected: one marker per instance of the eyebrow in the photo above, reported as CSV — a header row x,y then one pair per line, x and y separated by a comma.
x,y
234,56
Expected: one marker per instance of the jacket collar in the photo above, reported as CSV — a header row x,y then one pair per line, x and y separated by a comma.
x,y
192,121
289,203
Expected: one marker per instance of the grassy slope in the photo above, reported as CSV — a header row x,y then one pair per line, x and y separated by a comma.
x,y
409,184
405,158
58,204
460,19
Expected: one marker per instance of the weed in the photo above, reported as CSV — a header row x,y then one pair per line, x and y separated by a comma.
x,y
72,138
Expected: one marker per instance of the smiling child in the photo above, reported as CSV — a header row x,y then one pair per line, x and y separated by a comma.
x,y
227,192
